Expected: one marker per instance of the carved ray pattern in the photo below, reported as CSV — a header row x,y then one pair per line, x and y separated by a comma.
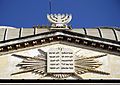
x,y
38,64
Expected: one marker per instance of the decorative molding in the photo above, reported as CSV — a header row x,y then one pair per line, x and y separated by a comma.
x,y
42,63
67,36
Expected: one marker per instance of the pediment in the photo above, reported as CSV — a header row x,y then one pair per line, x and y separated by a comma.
x,y
104,51
107,61
66,37
10,61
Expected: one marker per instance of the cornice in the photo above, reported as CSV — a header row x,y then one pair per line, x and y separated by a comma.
x,y
94,43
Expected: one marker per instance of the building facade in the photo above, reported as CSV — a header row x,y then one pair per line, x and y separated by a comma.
x,y
59,51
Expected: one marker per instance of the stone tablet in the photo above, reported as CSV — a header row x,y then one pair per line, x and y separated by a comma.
x,y
60,60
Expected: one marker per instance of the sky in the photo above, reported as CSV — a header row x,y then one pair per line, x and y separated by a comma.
x,y
85,13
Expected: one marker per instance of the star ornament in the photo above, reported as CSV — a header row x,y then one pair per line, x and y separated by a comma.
x,y
39,65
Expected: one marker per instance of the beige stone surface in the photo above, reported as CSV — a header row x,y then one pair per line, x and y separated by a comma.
x,y
78,31
27,32
111,64
93,33
118,35
108,33
12,33
2,34
42,30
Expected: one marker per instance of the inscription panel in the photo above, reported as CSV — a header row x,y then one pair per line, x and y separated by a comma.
x,y
60,60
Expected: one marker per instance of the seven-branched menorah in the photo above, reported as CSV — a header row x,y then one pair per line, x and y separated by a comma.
x,y
59,20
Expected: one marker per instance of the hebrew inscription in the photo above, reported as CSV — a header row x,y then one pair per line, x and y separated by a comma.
x,y
60,60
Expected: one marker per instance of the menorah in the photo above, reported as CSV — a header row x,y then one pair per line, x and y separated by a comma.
x,y
59,20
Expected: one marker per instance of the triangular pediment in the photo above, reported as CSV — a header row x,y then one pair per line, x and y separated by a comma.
x,y
82,45
104,60
60,36
14,59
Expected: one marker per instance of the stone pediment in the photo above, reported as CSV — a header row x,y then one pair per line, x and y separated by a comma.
x,y
61,36
29,50
18,65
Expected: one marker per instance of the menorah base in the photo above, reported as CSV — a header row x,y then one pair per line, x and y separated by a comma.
x,y
59,28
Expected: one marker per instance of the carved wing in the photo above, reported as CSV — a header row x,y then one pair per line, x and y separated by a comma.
x,y
36,64
84,65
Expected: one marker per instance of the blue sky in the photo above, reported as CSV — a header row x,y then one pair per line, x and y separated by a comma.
x,y
86,13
